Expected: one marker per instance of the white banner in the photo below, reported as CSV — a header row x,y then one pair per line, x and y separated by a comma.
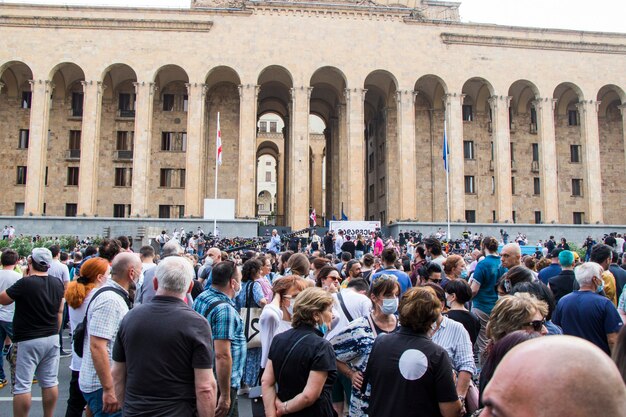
x,y
352,228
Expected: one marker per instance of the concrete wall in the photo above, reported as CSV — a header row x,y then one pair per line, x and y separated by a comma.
x,y
575,234
140,229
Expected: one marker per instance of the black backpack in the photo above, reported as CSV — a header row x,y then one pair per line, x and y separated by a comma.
x,y
78,337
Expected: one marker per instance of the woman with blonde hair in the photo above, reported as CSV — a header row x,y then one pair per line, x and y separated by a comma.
x,y
93,273
521,311
302,362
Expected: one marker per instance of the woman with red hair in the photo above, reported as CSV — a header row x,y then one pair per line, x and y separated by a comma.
x,y
93,273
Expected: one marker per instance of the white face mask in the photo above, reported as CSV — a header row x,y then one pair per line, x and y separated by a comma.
x,y
390,305
237,292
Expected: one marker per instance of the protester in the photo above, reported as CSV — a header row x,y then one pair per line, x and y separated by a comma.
x,y
37,318
483,284
551,367
563,283
540,291
406,370
217,305
301,362
104,314
453,337
388,258
586,314
276,316
521,311
92,275
8,277
169,333
354,343
458,293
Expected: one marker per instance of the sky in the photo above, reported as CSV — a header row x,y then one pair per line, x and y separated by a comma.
x,y
595,15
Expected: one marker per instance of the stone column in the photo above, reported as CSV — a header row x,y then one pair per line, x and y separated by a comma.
x,y
549,176
356,155
89,155
246,187
456,163
343,167
317,146
502,156
141,152
196,150
298,155
407,153
280,189
622,109
328,208
590,137
37,146
335,167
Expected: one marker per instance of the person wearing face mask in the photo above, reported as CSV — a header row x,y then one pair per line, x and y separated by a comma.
x,y
276,316
301,362
587,314
93,274
104,315
350,304
458,293
409,374
354,343
217,304
453,337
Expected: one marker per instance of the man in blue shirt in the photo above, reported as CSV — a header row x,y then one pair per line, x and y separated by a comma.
x,y
587,314
388,258
483,285
217,305
553,269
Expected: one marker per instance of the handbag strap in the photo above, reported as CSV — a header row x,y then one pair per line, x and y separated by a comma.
x,y
280,373
343,307
103,290
372,325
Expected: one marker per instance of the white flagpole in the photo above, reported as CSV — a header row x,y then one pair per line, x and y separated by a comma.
x,y
446,146
216,171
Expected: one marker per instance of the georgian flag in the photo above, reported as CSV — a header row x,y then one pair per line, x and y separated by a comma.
x,y
219,141
313,218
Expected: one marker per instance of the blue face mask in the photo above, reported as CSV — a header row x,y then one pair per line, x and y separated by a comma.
x,y
322,328
390,305
600,288
464,274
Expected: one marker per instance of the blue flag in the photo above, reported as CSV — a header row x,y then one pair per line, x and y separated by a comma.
x,y
334,218
446,149
343,216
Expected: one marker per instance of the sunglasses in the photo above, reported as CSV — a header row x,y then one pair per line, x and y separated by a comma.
x,y
334,278
435,281
386,277
536,324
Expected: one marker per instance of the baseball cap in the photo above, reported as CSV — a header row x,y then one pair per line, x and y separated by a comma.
x,y
42,257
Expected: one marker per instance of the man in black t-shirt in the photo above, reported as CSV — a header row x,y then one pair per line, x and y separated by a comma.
x,y
155,346
38,314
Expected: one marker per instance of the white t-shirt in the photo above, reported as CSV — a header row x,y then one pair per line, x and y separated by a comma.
x,y
7,278
76,316
59,270
272,323
358,305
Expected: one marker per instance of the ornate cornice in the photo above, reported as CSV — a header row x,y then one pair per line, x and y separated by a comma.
x,y
106,23
526,43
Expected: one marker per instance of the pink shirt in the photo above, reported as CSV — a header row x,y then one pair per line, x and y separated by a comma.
x,y
266,287
378,247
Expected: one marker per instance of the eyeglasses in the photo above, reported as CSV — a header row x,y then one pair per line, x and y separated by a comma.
x,y
435,281
385,277
537,325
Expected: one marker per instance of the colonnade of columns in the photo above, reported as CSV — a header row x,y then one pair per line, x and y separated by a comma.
x,y
346,157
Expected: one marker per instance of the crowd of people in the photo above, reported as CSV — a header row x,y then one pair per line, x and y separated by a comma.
x,y
332,325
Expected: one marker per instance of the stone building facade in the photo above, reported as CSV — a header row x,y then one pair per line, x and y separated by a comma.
x,y
112,112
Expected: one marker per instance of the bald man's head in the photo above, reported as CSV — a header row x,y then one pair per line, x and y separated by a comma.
x,y
511,255
555,376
